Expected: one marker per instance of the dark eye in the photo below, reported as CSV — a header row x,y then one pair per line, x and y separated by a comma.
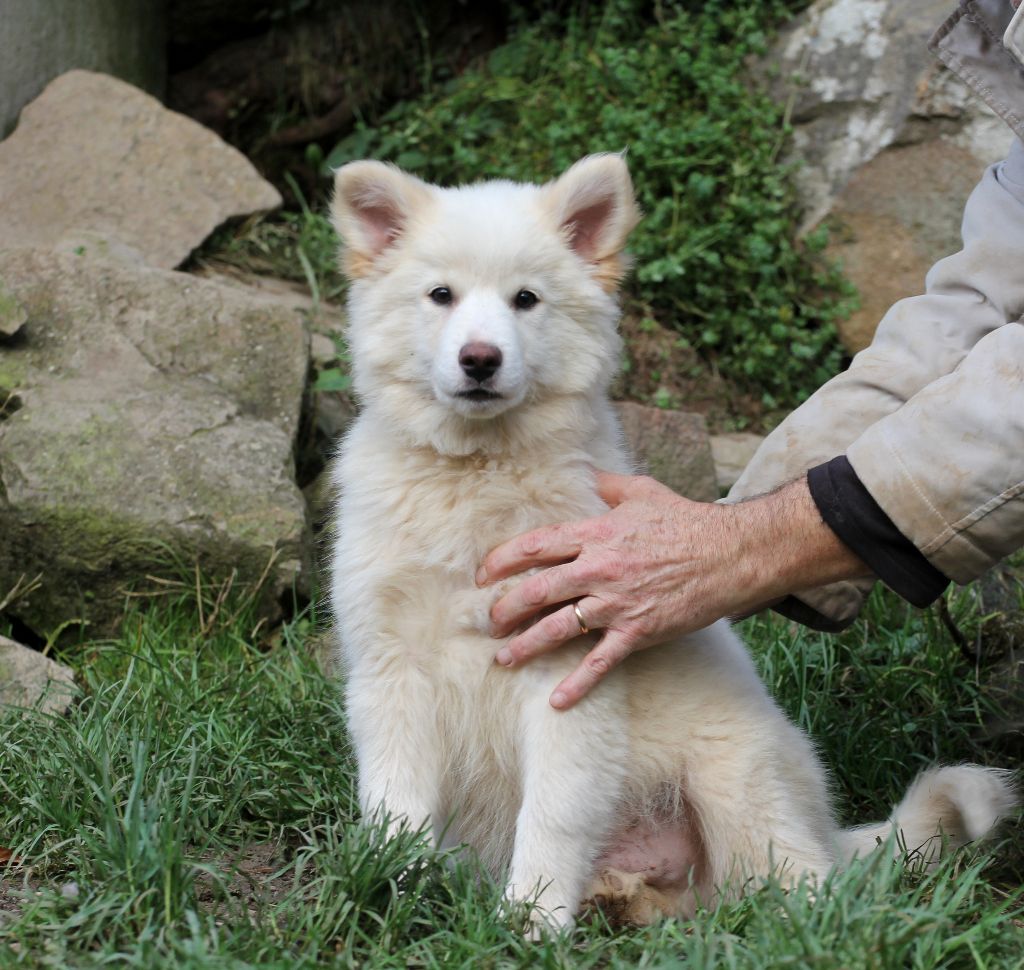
x,y
441,295
524,299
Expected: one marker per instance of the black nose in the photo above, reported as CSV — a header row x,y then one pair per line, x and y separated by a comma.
x,y
479,360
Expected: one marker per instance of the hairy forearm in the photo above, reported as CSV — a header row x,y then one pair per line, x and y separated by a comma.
x,y
736,559
783,545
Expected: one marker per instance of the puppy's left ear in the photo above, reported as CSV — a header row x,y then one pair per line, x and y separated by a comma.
x,y
595,210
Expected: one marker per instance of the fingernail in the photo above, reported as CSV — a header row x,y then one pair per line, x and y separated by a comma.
x,y
481,576
504,657
558,699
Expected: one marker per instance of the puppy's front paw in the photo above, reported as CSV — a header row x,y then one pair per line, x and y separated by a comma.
x,y
535,921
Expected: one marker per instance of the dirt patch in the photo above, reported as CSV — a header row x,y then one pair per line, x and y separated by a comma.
x,y
662,370
240,884
247,882
17,886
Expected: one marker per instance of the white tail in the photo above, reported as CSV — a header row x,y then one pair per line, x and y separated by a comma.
x,y
943,807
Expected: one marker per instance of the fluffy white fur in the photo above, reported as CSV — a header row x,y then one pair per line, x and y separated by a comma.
x,y
683,739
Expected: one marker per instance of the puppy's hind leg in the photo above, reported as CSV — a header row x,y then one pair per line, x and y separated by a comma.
x,y
573,765
761,812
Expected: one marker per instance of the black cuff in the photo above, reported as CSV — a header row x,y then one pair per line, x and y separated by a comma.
x,y
798,611
852,514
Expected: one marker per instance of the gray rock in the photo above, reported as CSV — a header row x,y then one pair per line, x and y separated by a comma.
x,y
673,447
324,353
331,410
93,153
88,242
858,77
158,416
889,142
44,38
323,317
731,454
28,679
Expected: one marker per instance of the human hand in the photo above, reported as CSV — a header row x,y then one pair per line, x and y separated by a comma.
x,y
639,574
654,567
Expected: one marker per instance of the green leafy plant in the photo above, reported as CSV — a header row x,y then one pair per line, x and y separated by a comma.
x,y
717,255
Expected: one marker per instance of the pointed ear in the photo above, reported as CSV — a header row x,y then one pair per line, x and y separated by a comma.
x,y
595,210
372,205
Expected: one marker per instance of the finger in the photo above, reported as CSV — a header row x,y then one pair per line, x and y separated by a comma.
x,y
559,584
616,489
612,649
552,631
541,547
612,488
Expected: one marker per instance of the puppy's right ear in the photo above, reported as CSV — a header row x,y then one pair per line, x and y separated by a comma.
x,y
372,205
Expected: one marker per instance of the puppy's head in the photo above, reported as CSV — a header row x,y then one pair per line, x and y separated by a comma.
x,y
470,305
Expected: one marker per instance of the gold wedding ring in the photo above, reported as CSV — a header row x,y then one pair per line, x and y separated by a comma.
x,y
579,619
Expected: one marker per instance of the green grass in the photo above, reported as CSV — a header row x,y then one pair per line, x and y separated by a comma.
x,y
195,809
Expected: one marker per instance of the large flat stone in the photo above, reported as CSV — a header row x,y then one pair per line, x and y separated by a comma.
x,y
155,425
673,447
95,154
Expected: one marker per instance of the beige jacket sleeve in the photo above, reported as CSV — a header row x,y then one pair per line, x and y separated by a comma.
x,y
931,415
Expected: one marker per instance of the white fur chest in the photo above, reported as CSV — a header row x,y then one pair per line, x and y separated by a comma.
x,y
414,526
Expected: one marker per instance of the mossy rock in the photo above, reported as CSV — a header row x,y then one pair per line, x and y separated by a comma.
x,y
154,434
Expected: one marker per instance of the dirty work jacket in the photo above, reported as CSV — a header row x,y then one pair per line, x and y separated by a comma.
x,y
931,415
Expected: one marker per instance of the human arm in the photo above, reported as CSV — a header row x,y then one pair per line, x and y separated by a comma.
x,y
657,566
969,297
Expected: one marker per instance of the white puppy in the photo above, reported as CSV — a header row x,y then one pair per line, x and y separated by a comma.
x,y
483,340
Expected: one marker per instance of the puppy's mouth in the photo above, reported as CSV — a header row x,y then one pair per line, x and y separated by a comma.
x,y
479,394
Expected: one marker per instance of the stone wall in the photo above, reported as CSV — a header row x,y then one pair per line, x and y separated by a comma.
x,y
40,39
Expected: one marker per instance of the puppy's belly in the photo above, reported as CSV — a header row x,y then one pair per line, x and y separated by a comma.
x,y
665,851
652,868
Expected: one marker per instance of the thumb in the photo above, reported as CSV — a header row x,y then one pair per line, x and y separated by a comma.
x,y
613,488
